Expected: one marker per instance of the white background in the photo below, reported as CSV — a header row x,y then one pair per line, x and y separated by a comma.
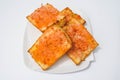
x,y
105,19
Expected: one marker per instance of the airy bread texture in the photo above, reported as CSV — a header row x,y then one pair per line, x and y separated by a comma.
x,y
51,46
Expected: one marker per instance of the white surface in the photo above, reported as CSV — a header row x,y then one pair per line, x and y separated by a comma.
x,y
105,19
65,64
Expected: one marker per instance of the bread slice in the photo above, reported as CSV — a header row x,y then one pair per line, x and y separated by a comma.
x,y
51,46
43,17
67,14
83,42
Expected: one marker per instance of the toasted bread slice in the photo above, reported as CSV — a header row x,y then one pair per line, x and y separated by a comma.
x,y
43,17
83,42
51,46
66,15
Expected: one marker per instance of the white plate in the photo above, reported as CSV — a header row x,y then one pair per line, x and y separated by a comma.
x,y
64,65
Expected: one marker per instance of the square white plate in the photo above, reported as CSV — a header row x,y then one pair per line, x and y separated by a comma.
x,y
65,64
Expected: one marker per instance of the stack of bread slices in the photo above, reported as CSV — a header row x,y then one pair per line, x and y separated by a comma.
x,y
63,33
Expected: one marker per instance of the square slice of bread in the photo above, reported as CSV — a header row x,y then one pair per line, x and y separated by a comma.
x,y
43,17
50,47
83,43
67,14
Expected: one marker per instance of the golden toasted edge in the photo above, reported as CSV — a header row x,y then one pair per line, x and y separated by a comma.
x,y
31,21
76,61
88,51
79,18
